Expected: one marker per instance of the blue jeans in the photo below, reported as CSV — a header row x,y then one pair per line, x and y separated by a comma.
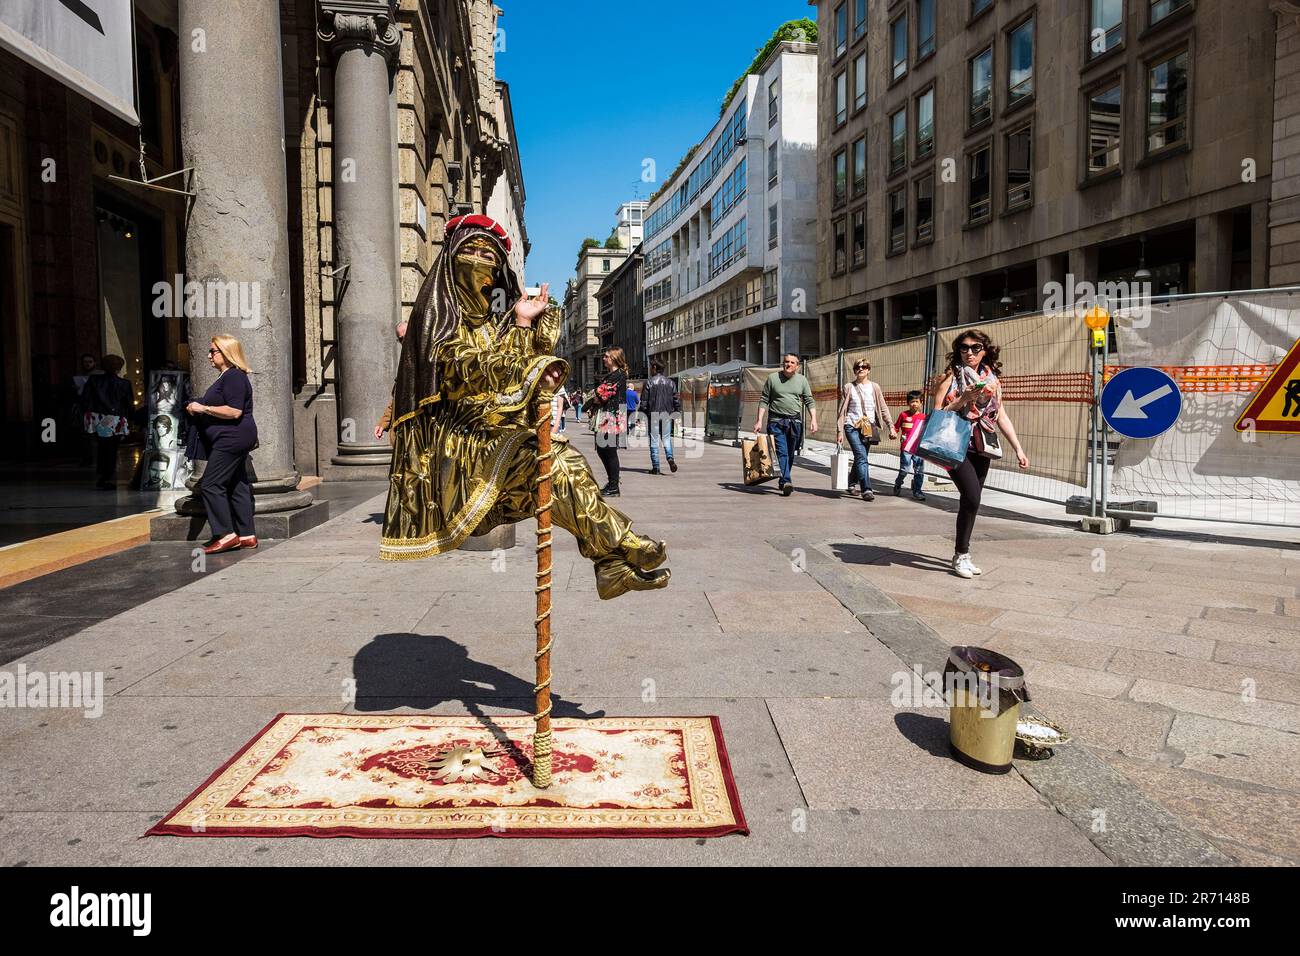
x,y
914,463
661,431
861,466
787,435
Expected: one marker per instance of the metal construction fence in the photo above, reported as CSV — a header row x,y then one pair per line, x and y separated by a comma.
x,y
1219,348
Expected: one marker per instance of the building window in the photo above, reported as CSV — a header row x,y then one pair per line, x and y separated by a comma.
x,y
771,164
898,141
771,103
1020,186
1104,130
924,29
980,180
841,177
898,46
859,18
769,288
840,251
771,226
925,209
1106,26
1162,8
925,123
841,29
859,237
1167,103
979,6
859,166
897,220
753,295
604,265
841,98
981,87
860,81
1020,63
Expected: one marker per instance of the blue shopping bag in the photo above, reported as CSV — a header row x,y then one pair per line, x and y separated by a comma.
x,y
945,439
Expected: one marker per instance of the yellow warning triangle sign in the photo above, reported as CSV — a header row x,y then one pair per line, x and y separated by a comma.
x,y
1276,406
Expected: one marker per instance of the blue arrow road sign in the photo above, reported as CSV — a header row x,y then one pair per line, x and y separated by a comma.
x,y
1141,402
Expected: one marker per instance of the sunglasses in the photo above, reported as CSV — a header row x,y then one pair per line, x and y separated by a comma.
x,y
213,351
969,348
862,368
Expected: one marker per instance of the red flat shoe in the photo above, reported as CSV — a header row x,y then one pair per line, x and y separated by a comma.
x,y
248,541
215,546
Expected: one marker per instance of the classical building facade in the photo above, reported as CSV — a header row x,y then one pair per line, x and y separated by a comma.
x,y
622,318
323,145
973,152
582,342
730,256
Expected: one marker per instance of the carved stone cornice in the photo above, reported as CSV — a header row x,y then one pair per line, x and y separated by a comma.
x,y
1286,8
368,24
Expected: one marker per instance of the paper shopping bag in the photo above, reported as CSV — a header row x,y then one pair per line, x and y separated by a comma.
x,y
758,457
840,462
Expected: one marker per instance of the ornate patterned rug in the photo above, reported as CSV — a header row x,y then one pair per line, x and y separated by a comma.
x,y
410,775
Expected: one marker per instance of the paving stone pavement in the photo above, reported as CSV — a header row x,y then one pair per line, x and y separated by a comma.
x,y
800,673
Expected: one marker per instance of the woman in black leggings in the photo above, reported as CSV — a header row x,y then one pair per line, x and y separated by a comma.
x,y
611,423
971,387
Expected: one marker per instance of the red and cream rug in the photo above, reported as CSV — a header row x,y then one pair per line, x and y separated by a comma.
x,y
408,775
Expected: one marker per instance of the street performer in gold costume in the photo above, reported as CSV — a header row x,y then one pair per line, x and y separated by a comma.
x,y
475,361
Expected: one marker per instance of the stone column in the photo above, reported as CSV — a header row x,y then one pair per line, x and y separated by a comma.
x,y
1083,264
364,39
1049,270
968,300
232,134
893,319
946,313
1213,252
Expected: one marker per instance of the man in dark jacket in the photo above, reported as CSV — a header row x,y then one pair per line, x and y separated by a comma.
x,y
660,403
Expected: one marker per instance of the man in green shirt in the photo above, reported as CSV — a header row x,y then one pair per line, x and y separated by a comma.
x,y
785,395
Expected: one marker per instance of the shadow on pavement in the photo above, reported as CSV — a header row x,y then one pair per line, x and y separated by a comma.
x,y
422,671
928,733
885,557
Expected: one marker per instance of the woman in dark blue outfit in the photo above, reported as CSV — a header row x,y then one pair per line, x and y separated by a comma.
x,y
226,433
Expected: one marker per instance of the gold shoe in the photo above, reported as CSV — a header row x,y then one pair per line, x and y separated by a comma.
x,y
643,553
614,576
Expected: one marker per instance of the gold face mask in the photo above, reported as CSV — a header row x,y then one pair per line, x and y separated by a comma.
x,y
474,275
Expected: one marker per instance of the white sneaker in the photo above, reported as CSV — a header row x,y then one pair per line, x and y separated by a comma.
x,y
962,567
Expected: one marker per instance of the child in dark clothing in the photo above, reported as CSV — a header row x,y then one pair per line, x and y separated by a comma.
x,y
909,425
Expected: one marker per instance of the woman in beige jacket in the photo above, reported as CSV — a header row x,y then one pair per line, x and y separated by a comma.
x,y
863,415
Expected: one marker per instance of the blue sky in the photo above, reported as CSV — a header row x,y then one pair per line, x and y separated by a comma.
x,y
599,86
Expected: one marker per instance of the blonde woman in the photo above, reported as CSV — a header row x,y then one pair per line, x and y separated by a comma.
x,y
611,425
862,411
226,433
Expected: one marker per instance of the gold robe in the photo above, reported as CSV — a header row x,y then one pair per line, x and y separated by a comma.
x,y
465,460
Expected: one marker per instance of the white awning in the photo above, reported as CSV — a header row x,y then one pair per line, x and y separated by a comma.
x,y
86,44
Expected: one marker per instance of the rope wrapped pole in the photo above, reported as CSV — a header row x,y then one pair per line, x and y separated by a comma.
x,y
542,689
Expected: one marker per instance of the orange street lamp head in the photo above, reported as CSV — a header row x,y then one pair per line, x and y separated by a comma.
x,y
1096,318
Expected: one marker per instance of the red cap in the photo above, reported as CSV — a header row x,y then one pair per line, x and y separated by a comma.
x,y
483,222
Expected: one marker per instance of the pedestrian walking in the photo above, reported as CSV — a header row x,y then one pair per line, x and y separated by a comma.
x,y
862,419
577,405
610,403
107,400
385,423
971,387
909,423
660,404
559,403
226,433
785,395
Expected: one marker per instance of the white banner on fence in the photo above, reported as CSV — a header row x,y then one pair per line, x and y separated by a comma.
x,y
1219,350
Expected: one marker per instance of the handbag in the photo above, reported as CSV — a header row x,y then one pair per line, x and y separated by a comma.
x,y
871,437
946,438
986,443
